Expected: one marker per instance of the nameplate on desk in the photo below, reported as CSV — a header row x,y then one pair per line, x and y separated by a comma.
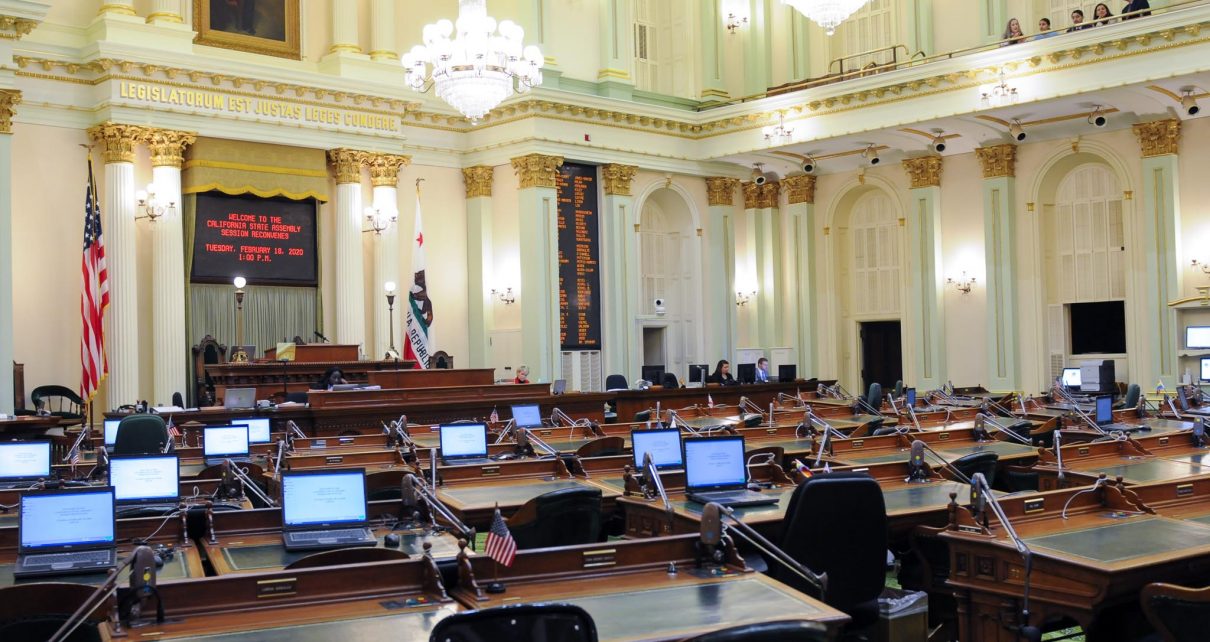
x,y
276,588
489,471
346,440
944,436
770,431
1035,505
963,528
600,558
547,433
857,443
319,443
333,460
860,470
1163,441
1083,451
1184,490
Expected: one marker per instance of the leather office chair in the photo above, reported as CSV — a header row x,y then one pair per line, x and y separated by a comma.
x,y
616,382
642,415
1133,392
984,462
551,622
873,396
384,484
603,447
178,400
668,381
559,518
1178,613
59,401
341,556
786,631
752,420
26,614
141,435
898,388
836,523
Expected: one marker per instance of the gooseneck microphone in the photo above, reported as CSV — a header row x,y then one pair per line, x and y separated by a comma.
x,y
917,472
985,498
945,462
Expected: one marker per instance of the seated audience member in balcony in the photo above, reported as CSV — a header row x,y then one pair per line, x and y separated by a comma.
x,y
1044,30
1077,21
1136,5
1012,33
1101,15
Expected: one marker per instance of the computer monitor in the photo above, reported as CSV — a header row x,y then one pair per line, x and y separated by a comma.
x,y
24,461
258,429
1205,368
910,395
746,372
787,372
463,441
323,497
654,374
664,444
698,372
1072,378
141,479
714,463
1104,410
219,442
239,398
527,416
111,431
65,519
1197,336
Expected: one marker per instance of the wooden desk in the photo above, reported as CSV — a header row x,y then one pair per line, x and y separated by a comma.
x,y
319,352
1132,460
269,377
26,426
473,492
628,590
630,402
433,378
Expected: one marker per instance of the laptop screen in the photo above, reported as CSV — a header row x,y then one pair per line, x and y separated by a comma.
x,y
527,416
463,440
323,497
24,459
111,431
910,393
258,428
714,462
664,446
69,518
1104,410
145,478
1072,378
225,441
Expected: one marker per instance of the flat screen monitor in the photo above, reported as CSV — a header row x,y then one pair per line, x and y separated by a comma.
x,y
145,478
910,394
1197,336
698,373
21,460
323,498
654,374
225,441
258,428
111,431
663,444
463,440
527,416
1104,410
746,372
1205,368
1072,378
787,372
714,463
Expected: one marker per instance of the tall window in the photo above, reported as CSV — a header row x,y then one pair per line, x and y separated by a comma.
x,y
663,41
875,234
872,27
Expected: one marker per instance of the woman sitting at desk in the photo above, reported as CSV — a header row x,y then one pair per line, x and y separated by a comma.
x,y
722,374
333,376
522,375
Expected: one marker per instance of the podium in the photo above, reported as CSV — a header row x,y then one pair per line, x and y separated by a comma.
x,y
319,352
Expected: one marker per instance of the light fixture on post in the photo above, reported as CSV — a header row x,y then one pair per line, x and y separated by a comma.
x,y
389,288
963,284
506,295
827,13
151,206
779,132
743,298
380,220
239,355
1001,94
479,67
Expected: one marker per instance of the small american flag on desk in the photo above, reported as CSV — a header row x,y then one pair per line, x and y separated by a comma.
x,y
173,431
500,543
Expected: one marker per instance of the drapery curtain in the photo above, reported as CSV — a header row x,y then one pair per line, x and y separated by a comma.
x,y
271,314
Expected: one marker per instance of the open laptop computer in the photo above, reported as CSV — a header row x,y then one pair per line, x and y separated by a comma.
x,y
527,416
463,444
325,509
258,429
145,483
1104,415
558,387
715,471
235,398
66,532
664,444
224,442
23,462
111,433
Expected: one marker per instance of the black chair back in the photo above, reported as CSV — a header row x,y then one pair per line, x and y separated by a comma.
x,y
616,382
873,396
785,631
59,401
1133,391
1178,613
669,381
562,517
642,415
547,622
978,463
178,400
141,435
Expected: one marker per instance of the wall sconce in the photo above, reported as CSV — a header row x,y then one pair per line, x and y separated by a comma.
x,y
736,16
742,298
380,220
151,206
963,284
506,296
1200,265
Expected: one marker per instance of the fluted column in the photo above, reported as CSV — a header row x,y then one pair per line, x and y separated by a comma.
x,y
8,102
719,268
166,11
480,263
538,227
800,261
350,275
382,31
748,278
1161,214
384,177
171,369
117,144
620,283
1000,256
926,308
345,38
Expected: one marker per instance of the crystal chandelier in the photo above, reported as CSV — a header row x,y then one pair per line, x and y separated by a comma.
x,y
999,95
477,69
826,13
778,132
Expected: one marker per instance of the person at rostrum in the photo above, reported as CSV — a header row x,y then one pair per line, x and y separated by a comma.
x,y
522,375
722,374
762,370
332,376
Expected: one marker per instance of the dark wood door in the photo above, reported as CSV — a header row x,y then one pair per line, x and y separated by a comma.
x,y
881,354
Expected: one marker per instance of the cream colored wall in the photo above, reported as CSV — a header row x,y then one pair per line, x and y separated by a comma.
x,y
962,248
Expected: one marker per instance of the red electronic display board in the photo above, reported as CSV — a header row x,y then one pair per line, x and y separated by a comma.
x,y
269,241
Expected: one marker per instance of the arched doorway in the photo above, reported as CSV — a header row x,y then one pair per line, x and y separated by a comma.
x,y
670,334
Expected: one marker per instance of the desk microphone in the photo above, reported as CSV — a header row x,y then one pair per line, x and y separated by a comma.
x,y
1199,433
1059,453
142,586
1024,629
321,337
712,525
953,469
917,473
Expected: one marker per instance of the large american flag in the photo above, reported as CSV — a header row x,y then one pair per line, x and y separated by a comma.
x,y
500,543
94,297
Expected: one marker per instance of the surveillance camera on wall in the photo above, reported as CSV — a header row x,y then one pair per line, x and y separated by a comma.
x,y
1097,117
808,166
871,155
1016,130
659,307
1189,103
760,179
939,143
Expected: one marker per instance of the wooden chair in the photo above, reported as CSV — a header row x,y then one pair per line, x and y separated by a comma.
x,y
603,447
208,351
59,401
441,360
1178,613
343,556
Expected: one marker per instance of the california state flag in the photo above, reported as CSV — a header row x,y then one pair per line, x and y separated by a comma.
x,y
419,343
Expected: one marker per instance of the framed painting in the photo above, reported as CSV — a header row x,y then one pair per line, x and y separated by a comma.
x,y
267,27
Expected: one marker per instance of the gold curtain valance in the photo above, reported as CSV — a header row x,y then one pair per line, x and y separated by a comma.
x,y
239,167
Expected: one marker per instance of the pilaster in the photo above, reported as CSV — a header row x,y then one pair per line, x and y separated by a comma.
x,y
350,273
382,31
345,38
384,180
480,263
166,12
720,268
8,101
1161,219
538,223
620,279
616,76
758,50
927,308
711,43
800,261
768,254
999,241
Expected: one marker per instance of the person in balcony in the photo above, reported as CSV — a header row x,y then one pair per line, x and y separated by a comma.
x,y
1044,30
1012,33
1077,21
1101,15
1136,5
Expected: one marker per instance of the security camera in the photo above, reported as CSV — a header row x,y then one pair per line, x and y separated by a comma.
x,y
871,155
939,143
1016,130
659,306
808,166
1189,103
759,179
1097,118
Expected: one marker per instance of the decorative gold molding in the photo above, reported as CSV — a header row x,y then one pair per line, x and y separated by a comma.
x,y
537,170
751,194
478,180
168,146
720,190
384,55
1159,137
767,194
800,189
998,160
116,8
924,171
384,168
347,164
118,140
165,16
617,178
14,28
9,99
